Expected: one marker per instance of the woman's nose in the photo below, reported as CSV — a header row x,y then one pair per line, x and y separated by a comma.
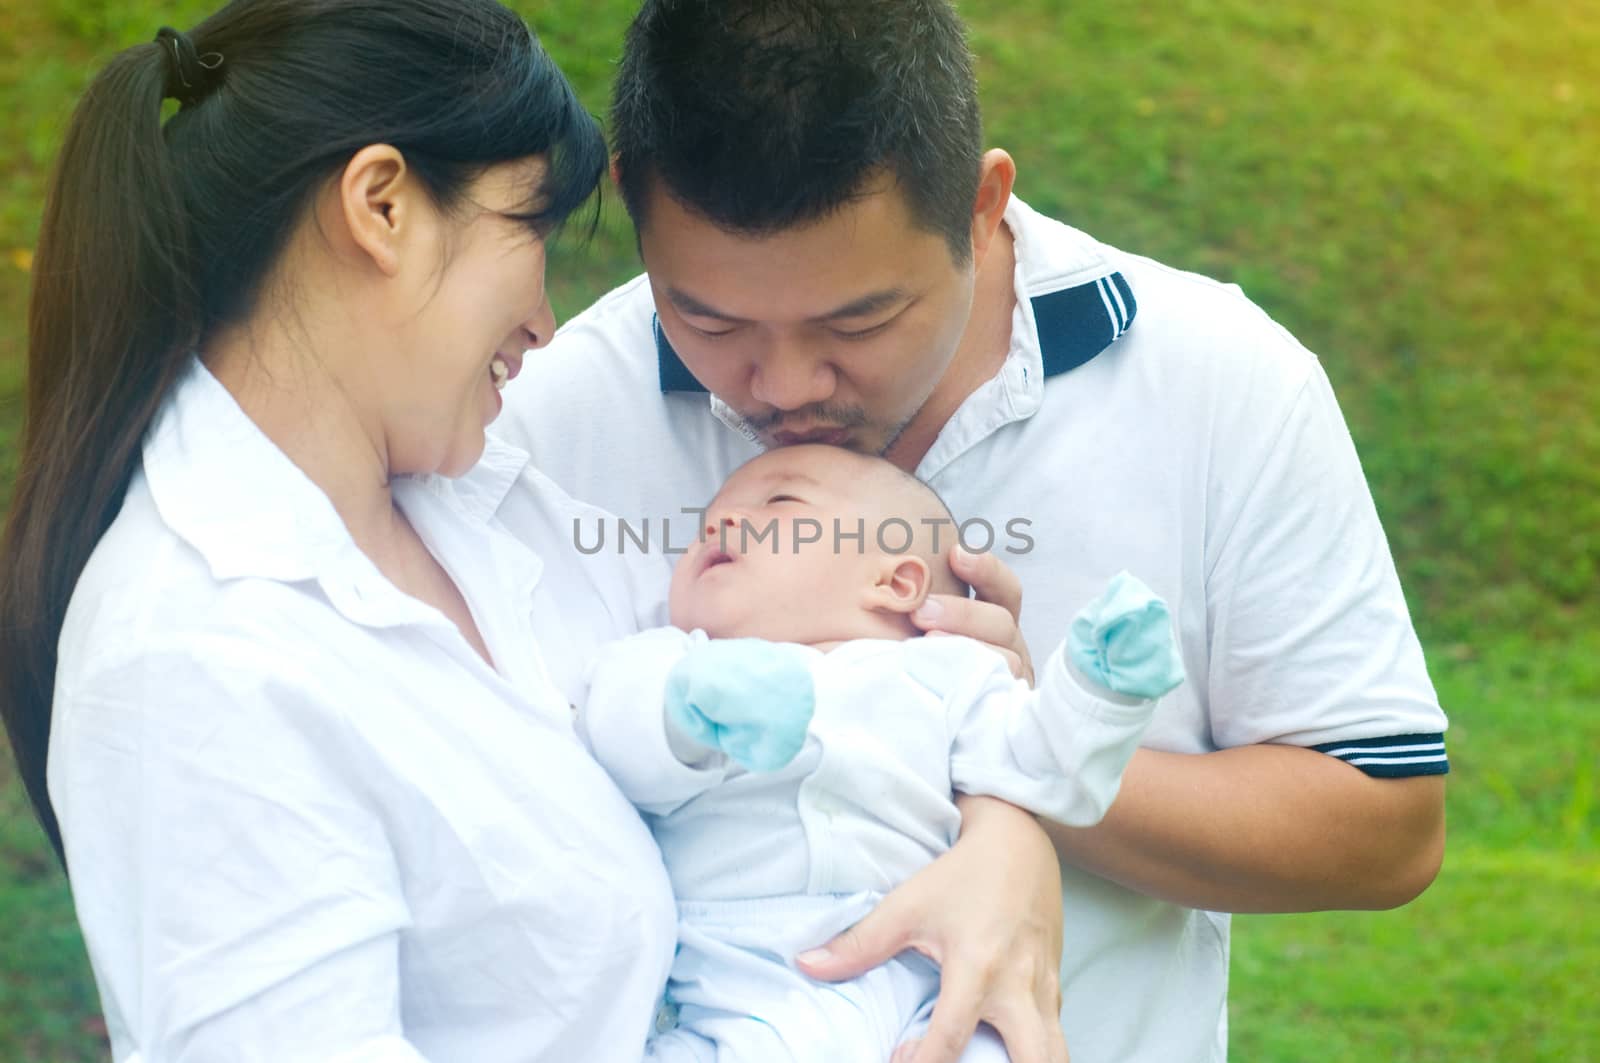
x,y
541,325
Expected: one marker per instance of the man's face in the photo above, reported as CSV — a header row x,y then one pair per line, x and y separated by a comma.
x,y
834,332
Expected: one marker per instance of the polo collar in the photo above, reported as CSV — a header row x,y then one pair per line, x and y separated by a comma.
x,y
1080,304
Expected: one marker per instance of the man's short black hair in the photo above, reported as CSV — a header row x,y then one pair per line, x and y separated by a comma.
x,y
761,115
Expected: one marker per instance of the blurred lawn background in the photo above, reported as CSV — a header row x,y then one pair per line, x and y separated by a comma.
x,y
1414,190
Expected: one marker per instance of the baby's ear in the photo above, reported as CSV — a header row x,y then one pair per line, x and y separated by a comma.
x,y
902,584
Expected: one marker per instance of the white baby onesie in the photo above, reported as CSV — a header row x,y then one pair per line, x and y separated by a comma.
x,y
765,865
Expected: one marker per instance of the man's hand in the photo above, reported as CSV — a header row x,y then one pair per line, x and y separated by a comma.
x,y
990,617
988,912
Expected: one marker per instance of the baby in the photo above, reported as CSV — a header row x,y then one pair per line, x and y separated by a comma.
x,y
796,749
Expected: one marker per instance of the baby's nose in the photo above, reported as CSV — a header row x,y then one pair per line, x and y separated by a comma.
x,y
722,528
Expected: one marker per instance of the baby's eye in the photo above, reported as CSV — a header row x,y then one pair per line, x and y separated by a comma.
x,y
864,333
782,498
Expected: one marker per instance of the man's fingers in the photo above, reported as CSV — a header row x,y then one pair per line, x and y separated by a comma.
x,y
1014,661
1047,989
955,1016
990,578
991,617
1058,1043
944,614
1027,1034
1030,1035
1054,1044
886,932
984,621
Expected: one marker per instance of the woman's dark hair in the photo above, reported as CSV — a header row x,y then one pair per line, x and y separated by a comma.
x,y
154,234
761,115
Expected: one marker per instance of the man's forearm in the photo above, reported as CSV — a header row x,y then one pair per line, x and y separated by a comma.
x,y
1264,829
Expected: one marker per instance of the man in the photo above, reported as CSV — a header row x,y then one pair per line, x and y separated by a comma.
x,y
832,255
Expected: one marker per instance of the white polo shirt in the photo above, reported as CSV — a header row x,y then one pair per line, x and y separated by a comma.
x,y
303,818
1144,418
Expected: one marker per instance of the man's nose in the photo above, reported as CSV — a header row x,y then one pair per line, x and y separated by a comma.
x,y
789,379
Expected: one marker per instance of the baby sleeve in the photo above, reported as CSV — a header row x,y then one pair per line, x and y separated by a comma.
x,y
1058,751
622,719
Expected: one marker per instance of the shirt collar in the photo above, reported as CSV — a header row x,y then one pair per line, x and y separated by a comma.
x,y
1075,302
222,486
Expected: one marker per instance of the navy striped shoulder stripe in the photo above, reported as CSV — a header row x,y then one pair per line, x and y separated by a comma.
x,y
1075,324
1394,757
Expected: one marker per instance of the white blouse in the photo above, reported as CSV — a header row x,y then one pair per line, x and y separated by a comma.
x,y
303,818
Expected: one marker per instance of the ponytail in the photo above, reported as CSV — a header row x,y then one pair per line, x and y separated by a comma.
x,y
156,234
111,317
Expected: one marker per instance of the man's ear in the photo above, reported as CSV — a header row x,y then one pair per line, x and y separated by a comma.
x,y
996,176
377,202
616,169
902,585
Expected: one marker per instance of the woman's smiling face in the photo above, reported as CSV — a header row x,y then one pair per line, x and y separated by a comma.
x,y
482,307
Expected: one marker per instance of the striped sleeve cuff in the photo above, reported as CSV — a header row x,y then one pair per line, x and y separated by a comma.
x,y
1394,757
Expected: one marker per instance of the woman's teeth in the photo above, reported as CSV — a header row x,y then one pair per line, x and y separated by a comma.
x,y
499,372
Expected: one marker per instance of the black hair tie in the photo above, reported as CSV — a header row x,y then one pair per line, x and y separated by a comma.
x,y
190,75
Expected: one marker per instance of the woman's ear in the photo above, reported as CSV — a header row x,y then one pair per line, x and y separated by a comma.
x,y
377,194
902,584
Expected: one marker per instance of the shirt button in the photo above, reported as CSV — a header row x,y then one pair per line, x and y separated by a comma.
x,y
666,1016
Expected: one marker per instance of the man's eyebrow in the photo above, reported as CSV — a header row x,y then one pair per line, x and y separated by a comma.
x,y
871,303
688,304
868,304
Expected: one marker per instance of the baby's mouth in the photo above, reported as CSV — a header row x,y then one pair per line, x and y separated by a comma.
x,y
715,557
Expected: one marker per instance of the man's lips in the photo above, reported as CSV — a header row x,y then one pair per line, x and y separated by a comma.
x,y
831,436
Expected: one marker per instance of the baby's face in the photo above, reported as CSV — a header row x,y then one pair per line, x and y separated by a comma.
x,y
778,556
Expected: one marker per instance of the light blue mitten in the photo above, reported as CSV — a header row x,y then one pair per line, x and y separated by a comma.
x,y
750,698
1124,641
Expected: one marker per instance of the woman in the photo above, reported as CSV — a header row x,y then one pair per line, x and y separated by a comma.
x,y
271,598
317,795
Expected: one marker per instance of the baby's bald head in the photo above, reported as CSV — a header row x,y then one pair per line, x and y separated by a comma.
x,y
816,544
900,495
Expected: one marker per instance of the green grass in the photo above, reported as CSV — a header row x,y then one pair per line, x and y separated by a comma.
x,y
1410,189
1514,981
